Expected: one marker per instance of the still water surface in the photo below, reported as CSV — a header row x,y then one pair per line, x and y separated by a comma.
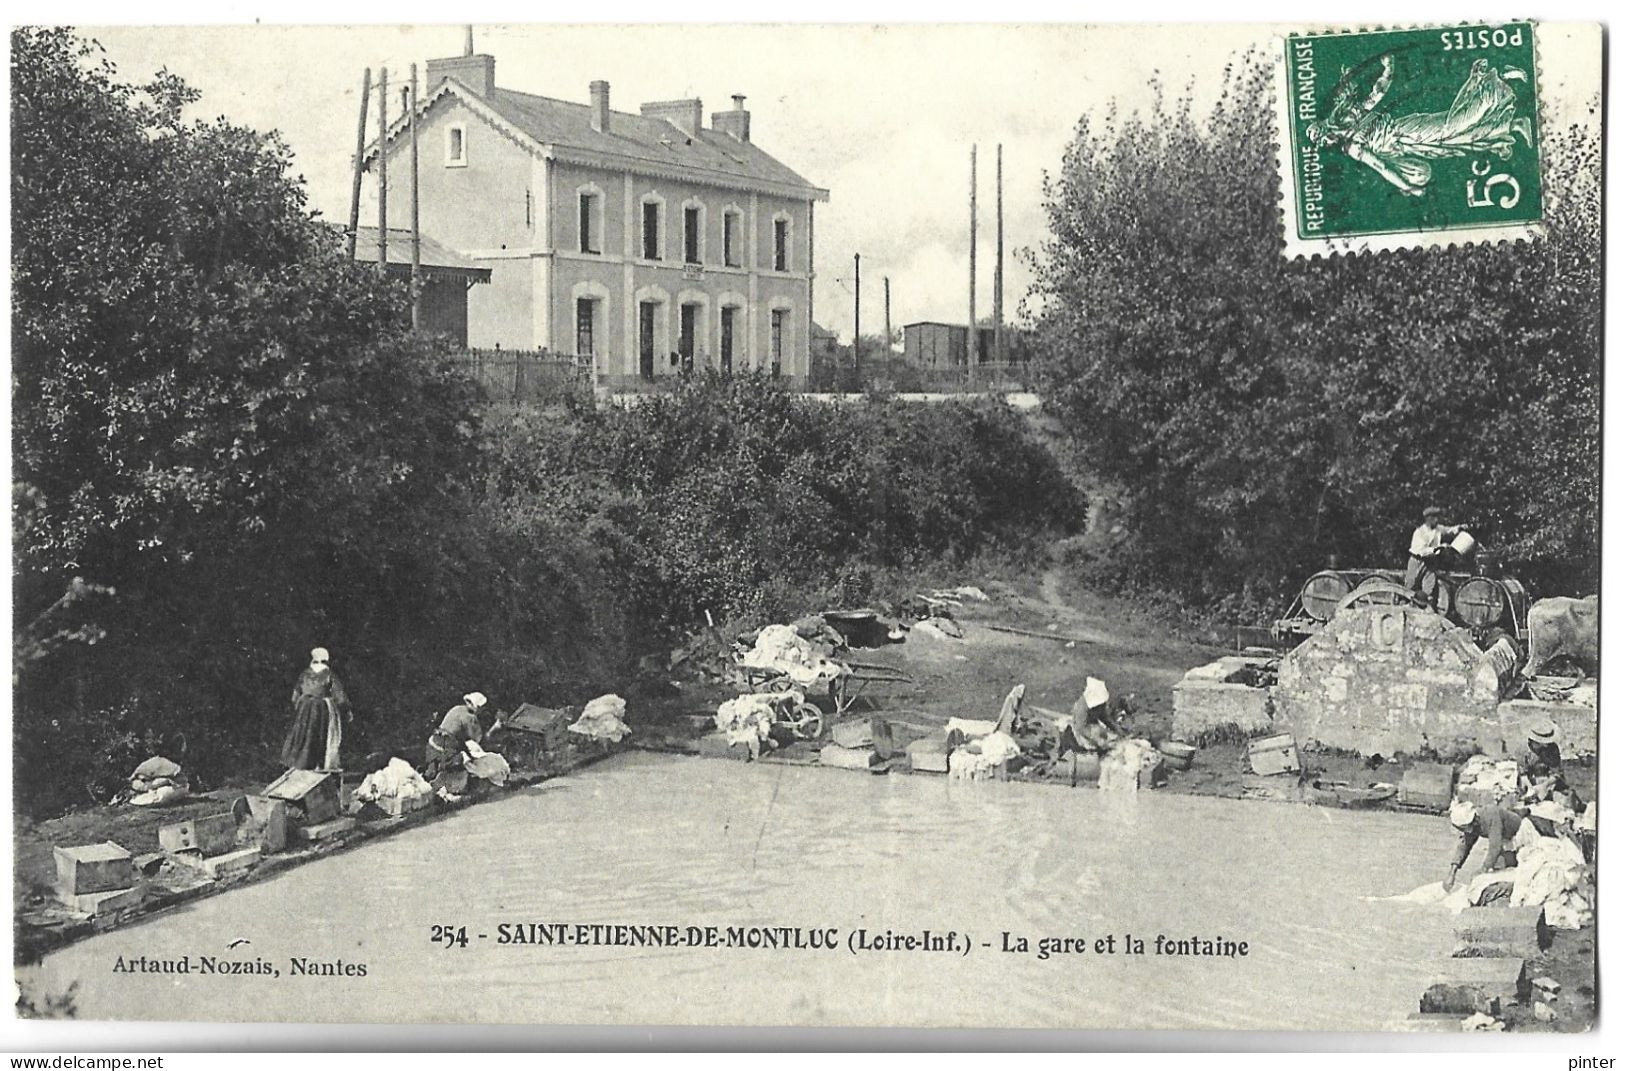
x,y
684,841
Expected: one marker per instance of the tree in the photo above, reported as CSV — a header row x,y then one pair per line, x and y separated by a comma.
x,y
1262,414
215,411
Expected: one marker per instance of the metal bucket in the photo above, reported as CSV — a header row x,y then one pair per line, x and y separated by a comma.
x,y
1464,543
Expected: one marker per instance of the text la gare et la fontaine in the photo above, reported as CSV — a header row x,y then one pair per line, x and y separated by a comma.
x,y
858,941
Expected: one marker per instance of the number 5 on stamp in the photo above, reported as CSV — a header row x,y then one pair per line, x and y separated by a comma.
x,y
1409,138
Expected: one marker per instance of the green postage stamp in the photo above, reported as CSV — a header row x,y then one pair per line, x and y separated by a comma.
x,y
1409,138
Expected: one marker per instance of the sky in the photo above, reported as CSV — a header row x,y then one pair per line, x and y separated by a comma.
x,y
882,116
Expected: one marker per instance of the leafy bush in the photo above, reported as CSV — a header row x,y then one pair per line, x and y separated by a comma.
x,y
1261,414
738,498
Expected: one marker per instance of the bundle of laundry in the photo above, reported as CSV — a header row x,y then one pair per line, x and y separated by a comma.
x,y
485,764
1488,779
1125,761
397,780
1552,874
746,719
783,650
983,756
158,780
603,719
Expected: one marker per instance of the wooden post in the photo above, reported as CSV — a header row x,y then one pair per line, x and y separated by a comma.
x,y
417,235
887,282
857,310
970,327
383,169
360,153
998,257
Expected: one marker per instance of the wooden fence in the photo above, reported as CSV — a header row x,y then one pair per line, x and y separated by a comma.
x,y
527,376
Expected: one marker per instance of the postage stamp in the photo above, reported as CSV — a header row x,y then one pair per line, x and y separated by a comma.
x,y
1409,138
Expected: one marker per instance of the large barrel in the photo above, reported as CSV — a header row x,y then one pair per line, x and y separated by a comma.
x,y
1322,592
1481,601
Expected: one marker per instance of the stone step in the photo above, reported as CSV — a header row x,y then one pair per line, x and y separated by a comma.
x,y
847,758
1503,931
93,868
100,904
1474,984
212,834
325,830
1427,785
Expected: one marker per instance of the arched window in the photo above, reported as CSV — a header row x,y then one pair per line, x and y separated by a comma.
x,y
733,236
457,145
590,218
590,304
693,231
783,255
652,227
780,343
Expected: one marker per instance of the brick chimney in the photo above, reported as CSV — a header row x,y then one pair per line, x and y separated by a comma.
x,y
736,124
600,105
478,73
685,115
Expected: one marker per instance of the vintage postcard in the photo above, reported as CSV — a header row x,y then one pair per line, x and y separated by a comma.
x,y
969,526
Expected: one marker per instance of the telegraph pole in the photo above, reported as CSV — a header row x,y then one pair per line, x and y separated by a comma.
x,y
887,281
857,317
998,261
383,169
360,153
417,237
970,326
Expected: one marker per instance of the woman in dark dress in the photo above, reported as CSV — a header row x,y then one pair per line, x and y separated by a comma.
x,y
320,708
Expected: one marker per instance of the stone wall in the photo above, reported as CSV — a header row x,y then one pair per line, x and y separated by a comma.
x,y
1390,680
1576,726
1209,702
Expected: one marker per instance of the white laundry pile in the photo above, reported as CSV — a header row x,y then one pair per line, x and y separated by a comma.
x,y
1123,763
1497,777
397,780
970,728
967,591
978,760
1552,873
603,719
746,719
1457,900
939,628
782,649
157,780
487,764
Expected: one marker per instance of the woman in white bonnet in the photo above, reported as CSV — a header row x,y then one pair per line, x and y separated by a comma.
x,y
320,708
460,726
1496,824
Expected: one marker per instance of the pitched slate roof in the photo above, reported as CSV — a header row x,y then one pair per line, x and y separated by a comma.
x,y
643,139
433,258
561,122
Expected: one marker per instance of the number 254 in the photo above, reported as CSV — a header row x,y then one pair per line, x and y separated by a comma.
x,y
1488,199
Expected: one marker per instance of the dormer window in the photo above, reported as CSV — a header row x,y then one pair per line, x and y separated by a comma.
x,y
456,146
